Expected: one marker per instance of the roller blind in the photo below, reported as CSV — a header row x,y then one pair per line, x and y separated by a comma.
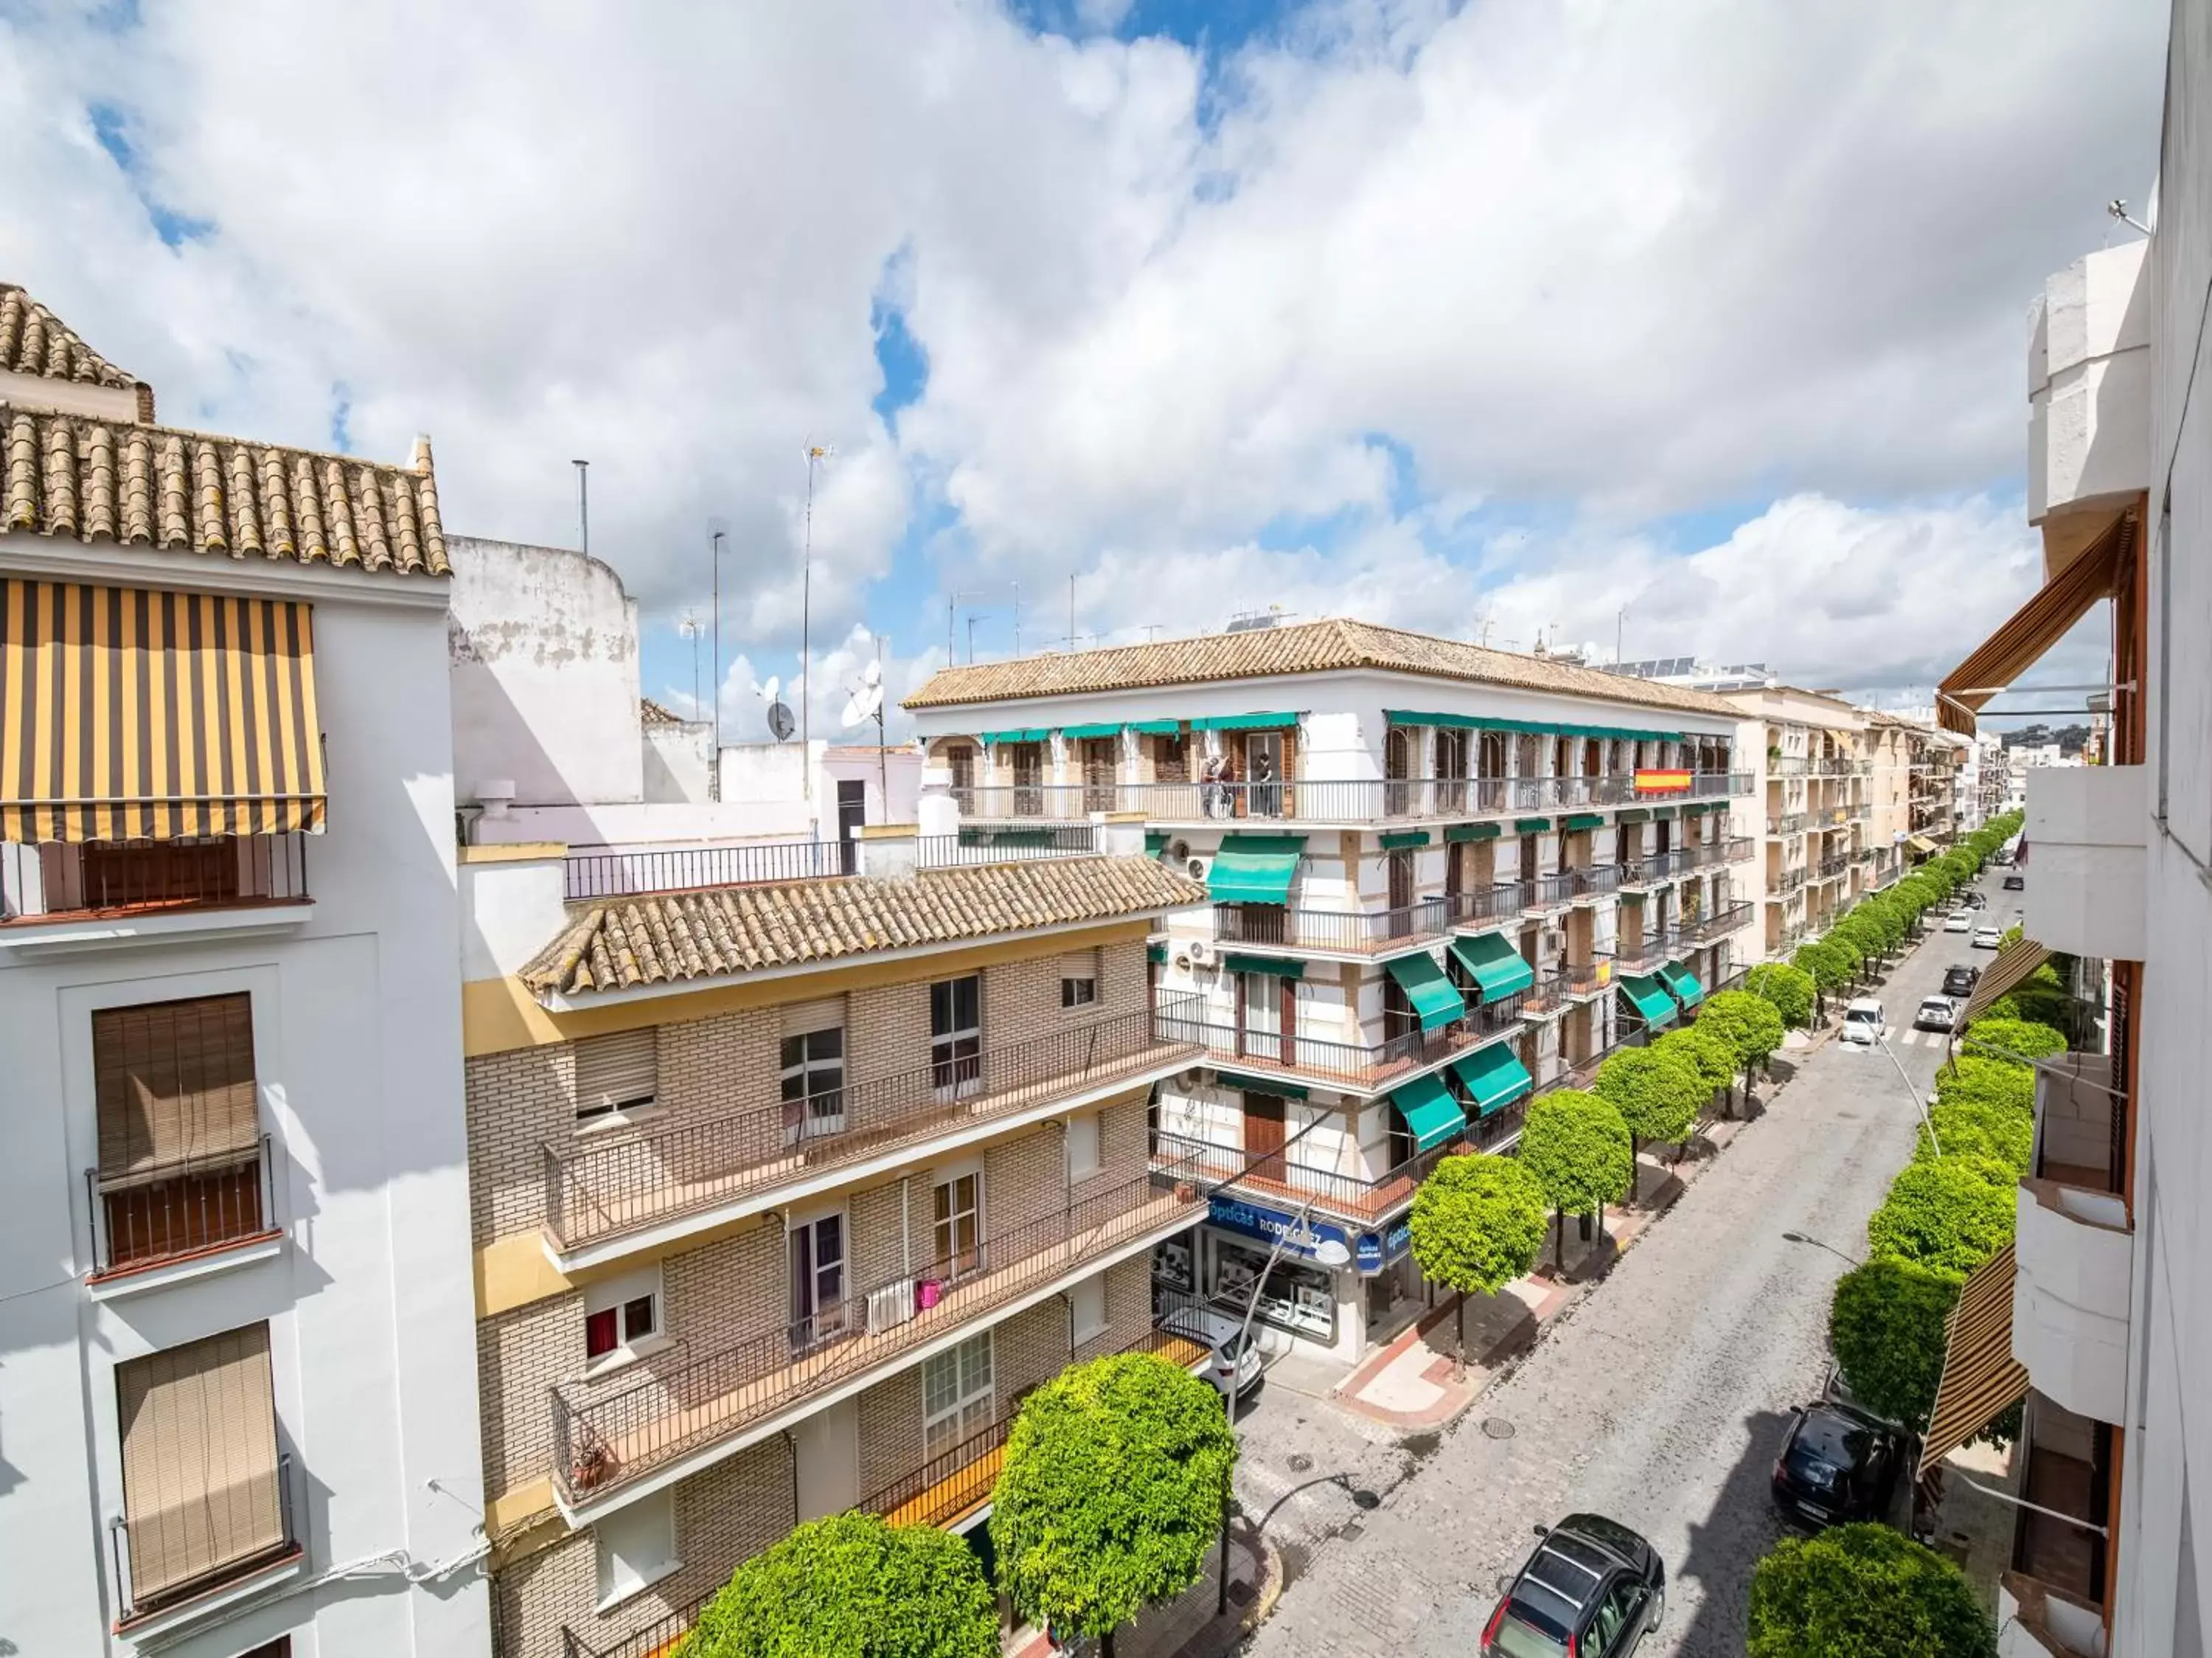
x,y
1080,964
199,1458
615,1071
804,1018
173,1083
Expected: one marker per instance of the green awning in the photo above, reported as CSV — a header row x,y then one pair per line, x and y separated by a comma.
x,y
1461,721
1254,868
1237,1079
1398,837
1264,964
1653,1003
1587,821
1531,825
1156,842
1472,831
1105,728
1425,986
1494,964
1683,983
1156,953
1494,1076
1429,1110
1690,809
1157,727
1243,721
1636,814
1663,813
995,737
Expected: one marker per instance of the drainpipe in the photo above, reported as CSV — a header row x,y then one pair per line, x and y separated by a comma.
x,y
791,1444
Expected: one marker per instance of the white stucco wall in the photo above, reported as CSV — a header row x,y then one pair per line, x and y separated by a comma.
x,y
678,760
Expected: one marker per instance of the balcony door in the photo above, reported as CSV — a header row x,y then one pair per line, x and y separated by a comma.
x,y
1264,1116
817,1280
1268,1016
1028,779
1451,770
1264,773
962,759
1100,757
956,1225
1397,769
956,1037
1400,863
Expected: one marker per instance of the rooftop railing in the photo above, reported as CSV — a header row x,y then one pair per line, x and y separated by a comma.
x,y
1330,800
1009,844
681,870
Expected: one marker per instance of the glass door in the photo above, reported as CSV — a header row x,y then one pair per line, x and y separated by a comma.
x,y
817,1282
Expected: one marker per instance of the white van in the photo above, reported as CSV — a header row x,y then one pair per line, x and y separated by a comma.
x,y
1862,1021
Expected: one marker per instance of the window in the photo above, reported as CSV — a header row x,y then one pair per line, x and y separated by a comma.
x,y
955,1035
818,1280
1082,1157
616,1076
1078,980
1088,1301
621,1318
202,1495
179,1128
957,1219
956,1394
813,1059
636,1547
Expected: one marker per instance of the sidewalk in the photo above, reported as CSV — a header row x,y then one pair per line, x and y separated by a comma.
x,y
1188,1626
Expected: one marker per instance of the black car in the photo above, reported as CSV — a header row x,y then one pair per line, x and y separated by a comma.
x,y
1837,1465
1593,1589
2015,883
1960,980
1976,901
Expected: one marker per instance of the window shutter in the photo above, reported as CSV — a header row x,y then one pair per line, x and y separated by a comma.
x,y
804,1018
617,1071
172,1082
199,1458
1080,964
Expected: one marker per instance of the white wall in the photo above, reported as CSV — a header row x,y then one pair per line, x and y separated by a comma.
x,y
678,760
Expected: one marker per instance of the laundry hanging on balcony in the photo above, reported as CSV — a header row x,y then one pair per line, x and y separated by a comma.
x,y
130,714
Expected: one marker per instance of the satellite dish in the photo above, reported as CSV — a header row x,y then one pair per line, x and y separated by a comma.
x,y
860,707
781,721
767,693
874,675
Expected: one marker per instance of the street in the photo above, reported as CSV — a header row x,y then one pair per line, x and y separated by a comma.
x,y
1661,1399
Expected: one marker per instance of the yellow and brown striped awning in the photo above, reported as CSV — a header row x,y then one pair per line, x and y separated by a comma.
x,y
1981,1378
127,714
2030,631
2015,962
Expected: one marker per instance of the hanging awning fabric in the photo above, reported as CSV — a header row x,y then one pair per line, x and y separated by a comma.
x,y
1662,814
1652,1004
1156,727
1921,844
1402,837
1103,728
1682,984
1156,954
128,714
2030,631
1237,1079
1254,868
1032,735
1462,832
1276,965
1636,814
1156,842
1425,986
1494,1076
1494,964
1429,1111
1460,722
2016,962
1587,821
1243,722
1981,1378
1531,825
1534,728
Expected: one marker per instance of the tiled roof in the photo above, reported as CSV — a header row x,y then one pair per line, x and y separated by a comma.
x,y
1298,648
652,713
35,341
622,942
152,486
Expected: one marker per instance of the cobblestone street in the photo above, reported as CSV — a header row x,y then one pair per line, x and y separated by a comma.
x,y
1660,1400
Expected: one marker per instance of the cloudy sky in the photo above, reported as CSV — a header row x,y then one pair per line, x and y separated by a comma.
x,y
1702,322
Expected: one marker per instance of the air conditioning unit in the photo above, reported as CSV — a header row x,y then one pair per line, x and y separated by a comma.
x,y
1179,850
1196,867
1201,953
890,1306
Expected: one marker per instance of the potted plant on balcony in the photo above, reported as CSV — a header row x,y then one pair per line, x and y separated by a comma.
x,y
592,1463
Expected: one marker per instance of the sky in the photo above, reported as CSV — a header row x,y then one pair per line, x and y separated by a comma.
x,y
1700,327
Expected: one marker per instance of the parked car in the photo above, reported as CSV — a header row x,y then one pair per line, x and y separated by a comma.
x,y
1233,1358
2015,883
1862,1021
1987,938
1959,921
1961,980
1837,1465
1975,900
1592,1589
1936,1014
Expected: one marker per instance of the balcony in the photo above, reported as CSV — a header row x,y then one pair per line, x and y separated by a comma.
x,y
686,1413
206,1550
1787,823
1786,881
152,1221
1345,801
1593,881
2057,1558
2035,1620
2074,1246
1735,849
1344,1067
1358,1200
1700,930
1362,934
61,892
602,1199
2085,892
1578,979
1643,957
1495,905
1834,867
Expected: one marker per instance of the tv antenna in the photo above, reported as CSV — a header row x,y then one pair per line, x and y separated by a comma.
x,y
690,627
816,455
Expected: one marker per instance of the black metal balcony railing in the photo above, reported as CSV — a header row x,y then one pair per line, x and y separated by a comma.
x,y
1718,924
1359,1064
1587,978
1006,845
152,1216
158,1559
60,881
604,1439
1361,1199
1488,906
1789,823
1595,881
1327,799
1548,891
1351,931
1831,867
682,869
1784,883
1643,956
1651,869
594,1191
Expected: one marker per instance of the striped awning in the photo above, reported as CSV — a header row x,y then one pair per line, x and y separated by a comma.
x,y
127,714
2014,963
2036,626
1981,1378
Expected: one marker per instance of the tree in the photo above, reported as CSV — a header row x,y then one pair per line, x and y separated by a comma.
x,y
1887,1329
1864,1591
1972,1078
1477,1224
2009,936
1115,1481
1710,1055
853,1587
2021,1037
1950,1212
1749,1024
1577,1146
1788,989
1658,1094
1974,1129
1830,967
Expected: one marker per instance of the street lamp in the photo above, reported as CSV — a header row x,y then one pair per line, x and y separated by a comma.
x,y
1817,1243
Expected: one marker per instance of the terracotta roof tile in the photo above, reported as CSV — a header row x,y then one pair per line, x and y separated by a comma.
x,y
653,713
144,485
1299,648
620,943
35,341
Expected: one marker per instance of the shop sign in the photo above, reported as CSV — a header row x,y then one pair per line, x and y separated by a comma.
x,y
1298,1237
1378,1250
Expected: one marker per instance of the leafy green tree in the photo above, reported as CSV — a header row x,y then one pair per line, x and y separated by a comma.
x,y
1712,1055
853,1587
1658,1094
1887,1329
1115,1480
1950,1212
1979,1080
1993,1037
1864,1591
1973,1129
1830,967
2010,936
1749,1024
1788,988
1578,1148
1477,1224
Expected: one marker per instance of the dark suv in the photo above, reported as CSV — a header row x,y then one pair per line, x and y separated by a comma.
x,y
1837,1465
1593,1589
1961,980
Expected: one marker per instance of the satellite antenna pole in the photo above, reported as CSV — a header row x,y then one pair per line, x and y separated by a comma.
x,y
882,760
1619,617
1018,618
1071,610
816,454
718,659
584,503
689,626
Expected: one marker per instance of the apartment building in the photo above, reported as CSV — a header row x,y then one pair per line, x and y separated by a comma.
x,y
1440,877
238,1403
1889,803
2098,1316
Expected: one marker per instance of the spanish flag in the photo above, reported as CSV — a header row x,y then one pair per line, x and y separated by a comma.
x,y
1655,782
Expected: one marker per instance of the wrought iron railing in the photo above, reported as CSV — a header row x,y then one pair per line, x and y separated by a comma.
x,y
1361,1199
1703,930
1010,844
1786,881
600,1190
1360,1064
1839,864
1789,823
1488,906
1330,800
1364,931
1587,978
1643,956
654,1640
140,1546
151,1217
56,881
686,869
